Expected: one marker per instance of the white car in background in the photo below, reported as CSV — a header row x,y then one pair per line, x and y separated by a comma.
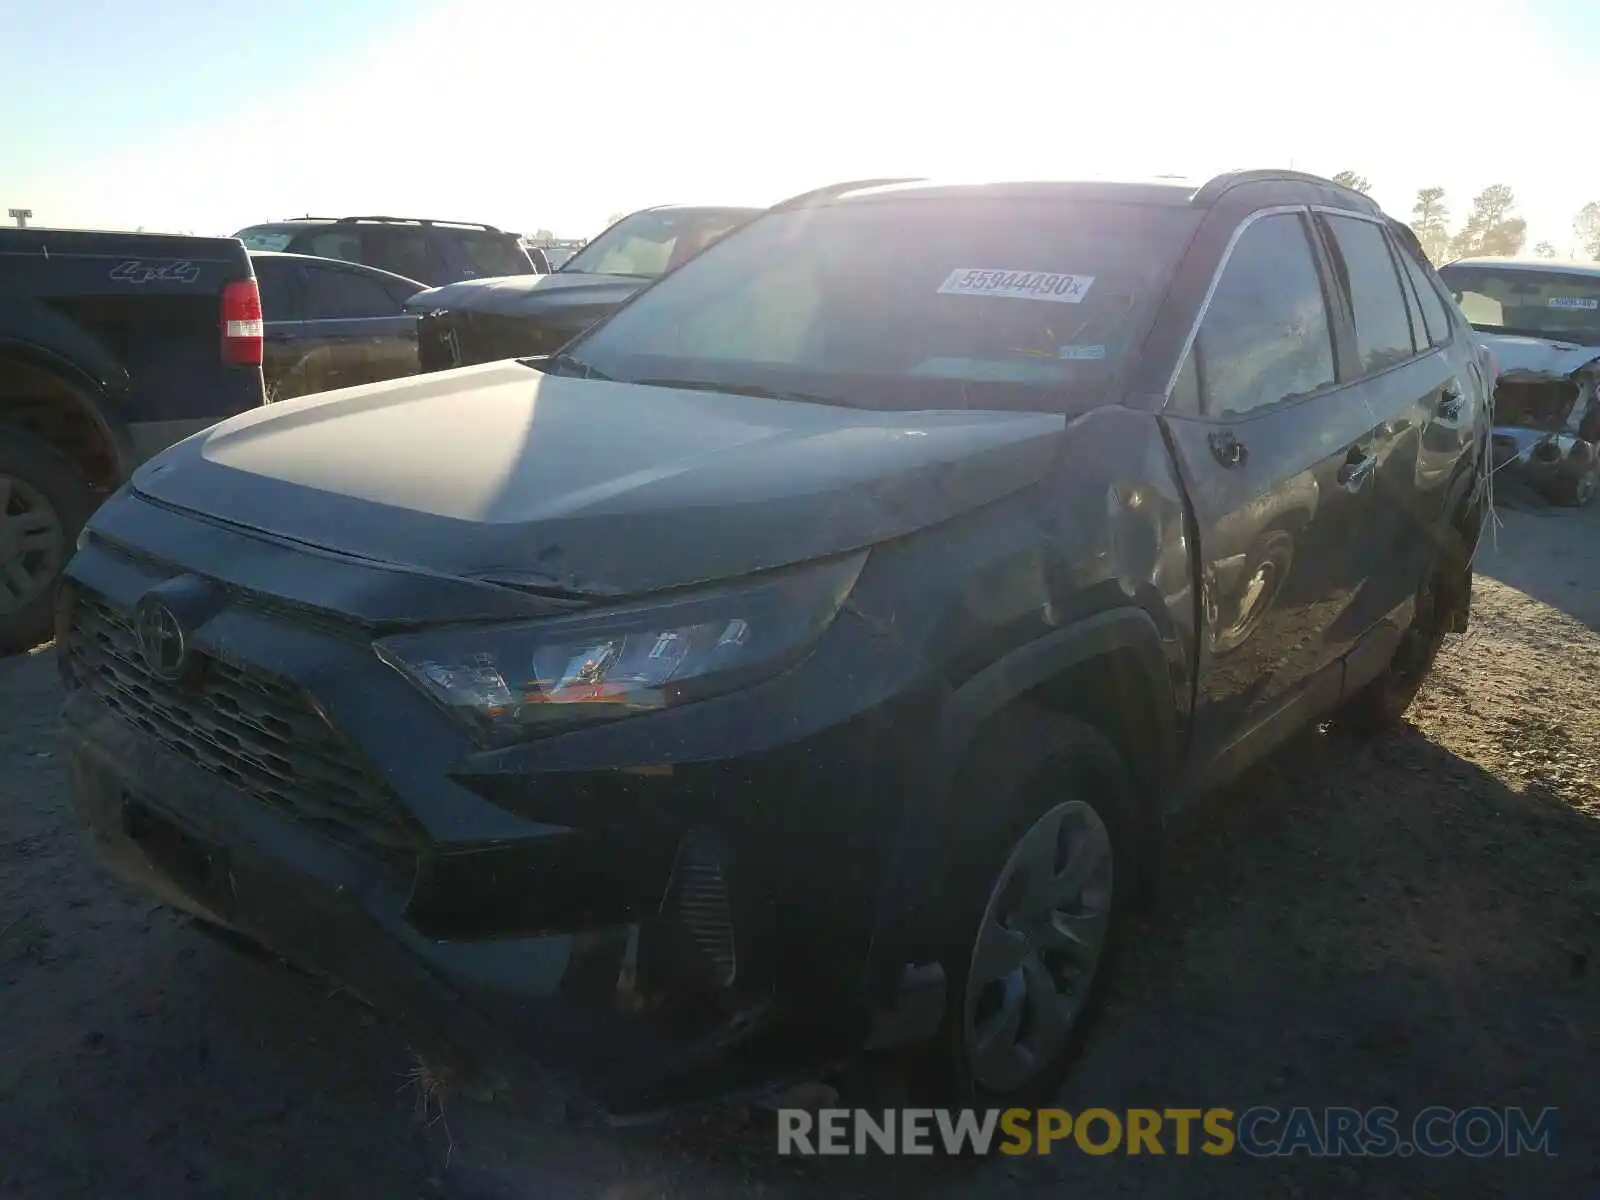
x,y
1540,319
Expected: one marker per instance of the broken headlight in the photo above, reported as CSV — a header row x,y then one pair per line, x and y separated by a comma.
x,y
512,681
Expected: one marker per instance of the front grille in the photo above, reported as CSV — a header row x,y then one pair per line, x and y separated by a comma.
x,y
259,733
699,898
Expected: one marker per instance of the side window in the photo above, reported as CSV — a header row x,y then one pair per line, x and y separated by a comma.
x,y
1383,323
330,243
1265,337
404,250
280,291
1419,328
1433,310
334,294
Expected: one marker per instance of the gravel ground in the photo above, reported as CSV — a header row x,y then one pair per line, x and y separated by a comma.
x,y
1408,923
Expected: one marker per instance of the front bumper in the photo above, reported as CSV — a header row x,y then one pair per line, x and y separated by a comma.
x,y
659,913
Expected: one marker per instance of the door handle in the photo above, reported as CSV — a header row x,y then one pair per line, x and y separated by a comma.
x,y
1227,449
1357,469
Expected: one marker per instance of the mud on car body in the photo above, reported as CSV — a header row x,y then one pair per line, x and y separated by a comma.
x,y
809,656
1541,321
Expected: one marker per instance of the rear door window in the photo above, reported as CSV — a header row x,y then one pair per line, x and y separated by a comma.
x,y
405,250
1266,337
1367,271
342,244
332,294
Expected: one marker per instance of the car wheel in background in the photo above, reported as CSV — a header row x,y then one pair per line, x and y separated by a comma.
x,y
1576,490
44,503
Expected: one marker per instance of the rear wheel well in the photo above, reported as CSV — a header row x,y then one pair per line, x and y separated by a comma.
x,y
47,407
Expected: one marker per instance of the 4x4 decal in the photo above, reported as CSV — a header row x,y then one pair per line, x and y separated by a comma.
x,y
135,271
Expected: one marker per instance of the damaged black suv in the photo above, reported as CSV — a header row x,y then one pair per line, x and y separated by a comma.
x,y
809,656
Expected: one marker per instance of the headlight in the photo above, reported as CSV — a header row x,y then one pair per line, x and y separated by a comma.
x,y
510,681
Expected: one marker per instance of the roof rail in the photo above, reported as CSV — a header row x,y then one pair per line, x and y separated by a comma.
x,y
1213,190
406,221
838,189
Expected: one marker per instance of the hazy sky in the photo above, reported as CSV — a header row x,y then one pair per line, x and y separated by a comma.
x,y
183,114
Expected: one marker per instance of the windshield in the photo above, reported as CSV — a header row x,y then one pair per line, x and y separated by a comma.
x,y
1548,304
647,244
906,303
265,238
493,253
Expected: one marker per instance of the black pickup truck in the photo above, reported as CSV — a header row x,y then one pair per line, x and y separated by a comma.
x,y
112,347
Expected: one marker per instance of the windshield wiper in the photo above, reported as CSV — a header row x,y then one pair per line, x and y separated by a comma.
x,y
571,364
738,389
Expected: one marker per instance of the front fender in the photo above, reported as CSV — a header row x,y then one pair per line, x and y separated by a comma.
x,y
933,812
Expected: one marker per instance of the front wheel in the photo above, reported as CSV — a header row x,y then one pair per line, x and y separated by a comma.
x,y
1037,905
44,502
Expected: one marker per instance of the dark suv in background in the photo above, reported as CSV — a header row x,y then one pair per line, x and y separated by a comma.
x,y
332,324
812,653
431,252
485,319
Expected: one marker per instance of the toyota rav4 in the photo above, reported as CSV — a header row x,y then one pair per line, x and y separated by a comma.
x,y
808,657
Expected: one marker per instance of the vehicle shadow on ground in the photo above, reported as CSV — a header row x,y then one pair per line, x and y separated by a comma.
x,y
1545,551
1364,925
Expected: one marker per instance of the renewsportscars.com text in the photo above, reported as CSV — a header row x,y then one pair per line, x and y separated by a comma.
x,y
1260,1132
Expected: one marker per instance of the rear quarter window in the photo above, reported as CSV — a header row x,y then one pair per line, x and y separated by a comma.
x,y
1434,315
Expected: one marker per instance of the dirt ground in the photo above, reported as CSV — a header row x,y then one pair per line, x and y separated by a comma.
x,y
1409,923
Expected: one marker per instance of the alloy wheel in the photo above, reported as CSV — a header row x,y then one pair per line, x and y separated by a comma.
x,y
31,543
1038,947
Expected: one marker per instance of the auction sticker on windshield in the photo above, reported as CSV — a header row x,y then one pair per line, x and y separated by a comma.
x,y
1584,302
1017,285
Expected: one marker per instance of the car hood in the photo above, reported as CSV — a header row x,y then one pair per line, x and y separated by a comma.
x,y
1524,359
527,295
501,473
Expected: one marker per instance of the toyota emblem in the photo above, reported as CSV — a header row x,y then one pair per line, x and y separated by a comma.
x,y
162,641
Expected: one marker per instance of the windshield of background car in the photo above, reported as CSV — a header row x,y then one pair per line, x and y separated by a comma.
x,y
1550,304
647,244
493,253
908,303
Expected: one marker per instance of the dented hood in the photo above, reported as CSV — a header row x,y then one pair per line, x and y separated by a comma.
x,y
499,472
1530,359
527,295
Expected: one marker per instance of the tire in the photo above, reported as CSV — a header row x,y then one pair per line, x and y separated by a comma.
x,y
1574,491
1055,793
44,503
1382,704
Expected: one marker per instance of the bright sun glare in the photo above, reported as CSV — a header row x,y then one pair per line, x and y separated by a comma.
x,y
559,115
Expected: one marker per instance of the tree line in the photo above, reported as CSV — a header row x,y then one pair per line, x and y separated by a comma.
x,y
1491,226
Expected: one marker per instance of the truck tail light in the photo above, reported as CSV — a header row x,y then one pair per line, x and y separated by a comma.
x,y
242,330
